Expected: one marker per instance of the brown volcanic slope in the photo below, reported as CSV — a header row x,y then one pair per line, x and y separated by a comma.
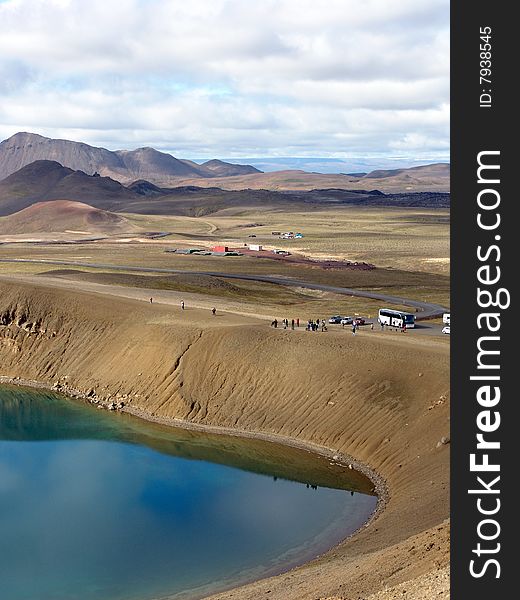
x,y
48,180
24,148
437,170
61,216
150,164
427,178
224,169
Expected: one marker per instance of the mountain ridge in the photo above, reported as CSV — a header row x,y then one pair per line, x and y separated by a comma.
x,y
23,148
166,171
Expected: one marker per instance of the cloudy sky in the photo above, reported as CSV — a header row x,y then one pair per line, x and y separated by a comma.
x,y
230,78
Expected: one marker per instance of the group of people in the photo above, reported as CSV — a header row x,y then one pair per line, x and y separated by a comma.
x,y
285,323
294,323
316,325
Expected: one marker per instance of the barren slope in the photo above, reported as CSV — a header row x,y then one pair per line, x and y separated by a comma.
x,y
62,216
381,399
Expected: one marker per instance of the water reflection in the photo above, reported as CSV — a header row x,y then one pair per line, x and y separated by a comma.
x,y
25,415
100,506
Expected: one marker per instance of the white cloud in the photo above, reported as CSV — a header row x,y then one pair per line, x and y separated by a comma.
x,y
228,77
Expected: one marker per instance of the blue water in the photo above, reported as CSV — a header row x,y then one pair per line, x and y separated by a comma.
x,y
99,506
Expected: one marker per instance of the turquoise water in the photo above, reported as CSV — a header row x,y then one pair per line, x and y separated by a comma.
x,y
102,506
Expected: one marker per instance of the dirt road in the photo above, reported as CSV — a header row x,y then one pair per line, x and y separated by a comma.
x,y
425,310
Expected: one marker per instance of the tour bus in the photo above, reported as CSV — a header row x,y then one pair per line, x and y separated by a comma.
x,y
396,318
446,318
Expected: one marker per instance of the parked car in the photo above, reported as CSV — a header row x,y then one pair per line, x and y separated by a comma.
x,y
446,329
359,321
347,320
336,319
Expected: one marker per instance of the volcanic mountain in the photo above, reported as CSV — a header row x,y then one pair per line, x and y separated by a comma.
x,y
223,169
48,180
125,166
64,216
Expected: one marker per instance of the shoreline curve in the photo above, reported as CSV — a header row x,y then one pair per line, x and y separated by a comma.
x,y
205,374
341,459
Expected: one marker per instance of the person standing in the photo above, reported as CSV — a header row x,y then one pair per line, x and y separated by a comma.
x,y
151,300
213,311
182,304
353,329
297,322
292,324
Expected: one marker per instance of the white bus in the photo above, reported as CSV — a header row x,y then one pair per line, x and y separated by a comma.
x,y
396,318
446,318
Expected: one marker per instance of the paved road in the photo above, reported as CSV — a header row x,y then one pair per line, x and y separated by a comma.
x,y
425,310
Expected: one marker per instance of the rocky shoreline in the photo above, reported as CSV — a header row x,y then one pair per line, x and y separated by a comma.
x,y
120,403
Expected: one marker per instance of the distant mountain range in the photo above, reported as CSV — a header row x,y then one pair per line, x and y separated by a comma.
x,y
358,165
426,178
164,170
126,166
45,180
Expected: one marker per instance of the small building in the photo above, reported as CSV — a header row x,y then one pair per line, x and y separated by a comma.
x,y
184,250
255,247
220,249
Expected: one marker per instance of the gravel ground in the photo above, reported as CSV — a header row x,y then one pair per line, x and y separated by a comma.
x,y
432,586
